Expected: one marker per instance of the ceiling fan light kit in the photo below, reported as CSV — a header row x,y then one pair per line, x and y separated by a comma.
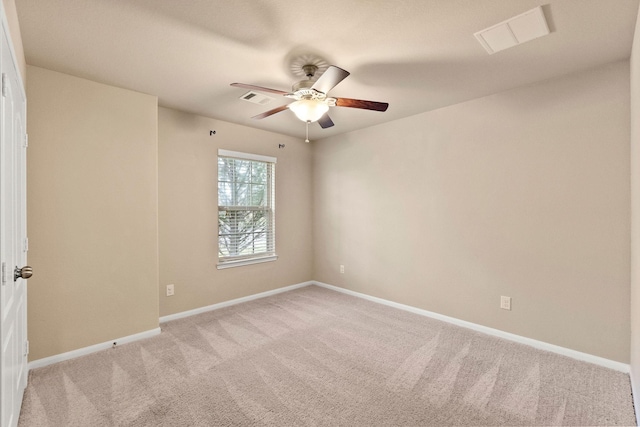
x,y
309,110
311,101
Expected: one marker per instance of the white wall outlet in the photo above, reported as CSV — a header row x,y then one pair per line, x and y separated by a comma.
x,y
170,290
505,303
341,269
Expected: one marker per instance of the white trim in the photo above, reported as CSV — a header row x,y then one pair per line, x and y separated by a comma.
x,y
92,349
247,261
585,357
246,156
574,354
14,57
223,304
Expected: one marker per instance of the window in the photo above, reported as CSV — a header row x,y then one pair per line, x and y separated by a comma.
x,y
246,209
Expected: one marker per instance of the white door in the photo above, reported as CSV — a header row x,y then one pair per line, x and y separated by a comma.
x,y
13,242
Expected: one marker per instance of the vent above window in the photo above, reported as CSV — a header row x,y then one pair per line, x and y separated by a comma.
x,y
512,32
256,98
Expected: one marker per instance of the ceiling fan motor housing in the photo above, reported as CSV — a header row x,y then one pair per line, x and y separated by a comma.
x,y
303,90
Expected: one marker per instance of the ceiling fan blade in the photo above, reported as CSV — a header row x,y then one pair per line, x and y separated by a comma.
x,y
270,112
325,121
329,79
359,103
259,88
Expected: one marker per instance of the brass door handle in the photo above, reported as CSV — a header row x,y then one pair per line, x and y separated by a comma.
x,y
24,273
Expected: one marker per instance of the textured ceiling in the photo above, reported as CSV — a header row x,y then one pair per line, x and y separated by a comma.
x,y
417,55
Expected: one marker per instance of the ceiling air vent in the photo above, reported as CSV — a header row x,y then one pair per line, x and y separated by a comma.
x,y
256,98
512,32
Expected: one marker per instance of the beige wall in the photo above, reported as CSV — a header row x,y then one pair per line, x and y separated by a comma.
x,y
92,212
523,193
635,212
16,37
188,211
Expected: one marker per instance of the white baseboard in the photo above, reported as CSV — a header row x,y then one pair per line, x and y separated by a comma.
x,y
607,363
585,357
92,349
147,334
232,302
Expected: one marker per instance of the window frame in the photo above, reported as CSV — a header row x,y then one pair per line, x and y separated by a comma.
x,y
268,255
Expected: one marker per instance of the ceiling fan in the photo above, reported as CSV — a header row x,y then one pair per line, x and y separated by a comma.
x,y
311,101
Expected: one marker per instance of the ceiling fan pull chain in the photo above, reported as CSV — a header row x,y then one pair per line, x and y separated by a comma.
x,y
307,140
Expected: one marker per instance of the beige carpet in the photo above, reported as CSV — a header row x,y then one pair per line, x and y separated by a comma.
x,y
318,357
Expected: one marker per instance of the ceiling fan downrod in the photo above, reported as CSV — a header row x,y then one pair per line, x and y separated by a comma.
x,y
309,70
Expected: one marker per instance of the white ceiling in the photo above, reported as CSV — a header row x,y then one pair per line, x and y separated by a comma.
x,y
417,55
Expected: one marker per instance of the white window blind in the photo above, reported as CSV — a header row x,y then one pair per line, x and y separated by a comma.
x,y
246,208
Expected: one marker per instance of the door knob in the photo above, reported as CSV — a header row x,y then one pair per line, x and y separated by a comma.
x,y
24,272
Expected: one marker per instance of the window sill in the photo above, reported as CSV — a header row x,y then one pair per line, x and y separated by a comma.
x,y
241,262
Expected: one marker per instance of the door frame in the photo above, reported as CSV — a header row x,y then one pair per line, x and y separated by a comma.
x,y
18,175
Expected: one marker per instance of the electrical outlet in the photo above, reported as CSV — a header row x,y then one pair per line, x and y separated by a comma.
x,y
341,269
170,290
505,303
